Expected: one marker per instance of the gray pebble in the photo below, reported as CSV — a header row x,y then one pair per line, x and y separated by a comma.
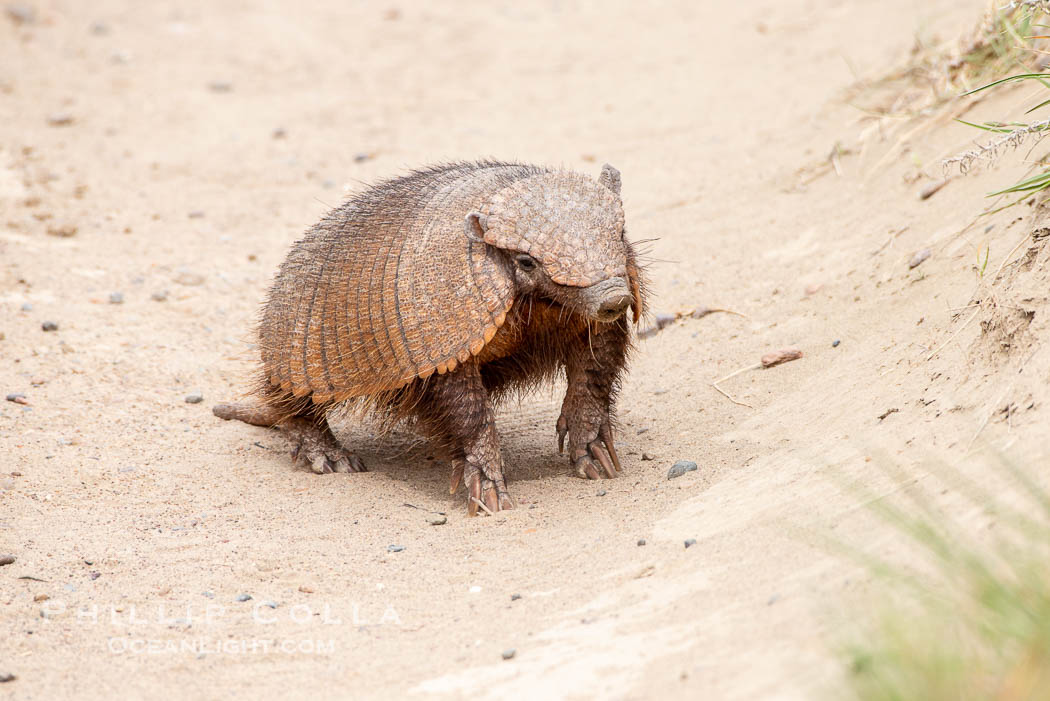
x,y
642,430
691,542
126,469
6,559
509,653
89,562
438,521
27,307
835,343
243,597
394,548
116,298
641,542
159,296
17,398
21,14
270,604
59,119
220,86
99,28
919,258
49,326
95,575
515,597
362,157
5,677
680,468
647,456
197,398
208,594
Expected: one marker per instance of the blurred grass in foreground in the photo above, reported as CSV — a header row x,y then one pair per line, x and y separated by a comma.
x,y
973,622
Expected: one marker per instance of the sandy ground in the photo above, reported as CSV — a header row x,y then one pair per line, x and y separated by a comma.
x,y
186,145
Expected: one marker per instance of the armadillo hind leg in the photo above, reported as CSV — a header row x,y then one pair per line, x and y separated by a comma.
x,y
456,411
318,448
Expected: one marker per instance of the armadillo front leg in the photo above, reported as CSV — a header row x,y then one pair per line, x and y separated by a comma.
x,y
457,413
593,364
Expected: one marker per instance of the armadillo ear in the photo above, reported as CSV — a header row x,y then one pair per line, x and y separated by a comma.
x,y
474,227
610,178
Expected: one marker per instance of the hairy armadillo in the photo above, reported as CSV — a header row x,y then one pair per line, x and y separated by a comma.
x,y
434,295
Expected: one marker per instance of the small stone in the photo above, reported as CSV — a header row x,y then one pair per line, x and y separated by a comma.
x,y
601,493
116,298
49,326
835,343
279,133
208,594
220,86
37,381
647,456
194,398
196,214
306,589
17,398
394,548
20,14
642,430
99,28
4,678
932,189
62,231
270,604
59,119
509,653
89,562
641,542
362,157
680,468
243,597
41,597
515,597
27,307
919,258
690,543
189,278
6,559
160,296
439,521
95,575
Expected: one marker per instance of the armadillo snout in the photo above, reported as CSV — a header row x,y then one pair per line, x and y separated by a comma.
x,y
607,300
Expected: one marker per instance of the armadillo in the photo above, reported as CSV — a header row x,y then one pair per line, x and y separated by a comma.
x,y
431,297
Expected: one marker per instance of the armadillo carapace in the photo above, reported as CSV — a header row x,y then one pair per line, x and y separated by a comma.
x,y
434,295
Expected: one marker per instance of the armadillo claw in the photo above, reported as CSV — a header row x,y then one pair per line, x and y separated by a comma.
x,y
327,460
595,462
563,428
490,495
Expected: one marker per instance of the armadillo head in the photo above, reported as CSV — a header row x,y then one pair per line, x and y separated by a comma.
x,y
563,235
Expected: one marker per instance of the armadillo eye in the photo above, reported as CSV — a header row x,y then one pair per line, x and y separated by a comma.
x,y
526,262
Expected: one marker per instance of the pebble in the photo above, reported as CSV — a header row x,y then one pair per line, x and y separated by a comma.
x,y
4,678
691,542
440,521
95,575
394,548
21,14
509,653
515,597
641,542
208,594
99,28
41,597
194,398
62,231
196,214
220,86
919,258
27,307
362,157
189,278
932,189
6,559
306,589
49,326
270,604
116,298
647,456
279,133
642,430
835,343
680,468
17,398
159,296
243,597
